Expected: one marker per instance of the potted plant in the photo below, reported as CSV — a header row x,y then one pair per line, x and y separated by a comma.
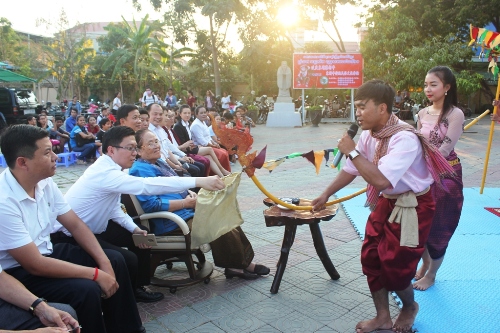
x,y
315,113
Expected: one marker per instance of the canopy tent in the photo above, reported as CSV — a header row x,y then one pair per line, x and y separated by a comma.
x,y
8,76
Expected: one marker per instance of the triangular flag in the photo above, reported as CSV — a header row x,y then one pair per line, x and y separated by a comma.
x,y
260,158
335,152
309,156
273,164
318,157
327,155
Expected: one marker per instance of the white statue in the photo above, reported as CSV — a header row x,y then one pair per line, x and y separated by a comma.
x,y
284,78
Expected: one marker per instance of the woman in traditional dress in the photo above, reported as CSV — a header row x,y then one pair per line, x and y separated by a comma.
x,y
442,124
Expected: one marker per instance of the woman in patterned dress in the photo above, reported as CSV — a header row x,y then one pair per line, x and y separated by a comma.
x,y
442,124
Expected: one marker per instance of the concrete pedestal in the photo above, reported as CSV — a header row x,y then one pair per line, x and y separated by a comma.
x,y
284,115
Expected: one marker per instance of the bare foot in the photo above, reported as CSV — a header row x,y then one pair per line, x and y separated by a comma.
x,y
374,324
425,283
406,318
421,272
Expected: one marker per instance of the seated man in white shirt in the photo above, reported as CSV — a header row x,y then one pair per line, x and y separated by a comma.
x,y
21,310
128,115
158,119
95,198
94,282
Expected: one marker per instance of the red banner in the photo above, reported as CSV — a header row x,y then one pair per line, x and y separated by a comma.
x,y
327,70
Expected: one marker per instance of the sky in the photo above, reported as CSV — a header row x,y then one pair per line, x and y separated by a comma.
x,y
112,10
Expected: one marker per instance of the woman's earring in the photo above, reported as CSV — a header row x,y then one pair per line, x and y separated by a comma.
x,y
445,93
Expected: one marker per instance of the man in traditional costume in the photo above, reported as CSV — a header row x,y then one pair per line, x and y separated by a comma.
x,y
400,167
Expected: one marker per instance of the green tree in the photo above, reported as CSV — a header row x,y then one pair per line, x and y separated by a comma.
x,y
218,15
400,52
10,42
68,56
134,43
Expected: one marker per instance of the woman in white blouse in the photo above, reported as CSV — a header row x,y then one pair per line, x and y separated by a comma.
x,y
201,137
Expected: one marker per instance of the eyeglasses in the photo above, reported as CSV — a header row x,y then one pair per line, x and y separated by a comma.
x,y
130,149
152,144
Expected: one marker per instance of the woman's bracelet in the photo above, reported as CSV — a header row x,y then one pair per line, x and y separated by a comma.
x,y
182,203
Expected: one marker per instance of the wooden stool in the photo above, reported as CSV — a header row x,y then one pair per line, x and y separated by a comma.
x,y
276,217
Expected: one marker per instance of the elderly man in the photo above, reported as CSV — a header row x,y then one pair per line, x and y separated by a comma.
x,y
391,157
170,151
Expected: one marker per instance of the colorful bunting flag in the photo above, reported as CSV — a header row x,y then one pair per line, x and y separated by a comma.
x,y
489,42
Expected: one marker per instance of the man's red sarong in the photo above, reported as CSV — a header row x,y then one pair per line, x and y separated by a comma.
x,y
385,263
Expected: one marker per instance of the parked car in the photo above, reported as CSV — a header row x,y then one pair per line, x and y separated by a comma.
x,y
17,104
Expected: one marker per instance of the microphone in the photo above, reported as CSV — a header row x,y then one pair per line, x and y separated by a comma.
x,y
353,129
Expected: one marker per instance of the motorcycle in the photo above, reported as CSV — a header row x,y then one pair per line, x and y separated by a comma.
x,y
263,106
465,109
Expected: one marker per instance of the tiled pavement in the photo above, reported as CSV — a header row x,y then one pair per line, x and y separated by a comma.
x,y
308,301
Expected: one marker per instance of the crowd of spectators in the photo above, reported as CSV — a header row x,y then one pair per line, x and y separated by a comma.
x,y
77,251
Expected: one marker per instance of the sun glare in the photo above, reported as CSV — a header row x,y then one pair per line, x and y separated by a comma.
x,y
288,15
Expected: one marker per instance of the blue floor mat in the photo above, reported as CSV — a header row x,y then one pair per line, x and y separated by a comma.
x,y
466,293
458,307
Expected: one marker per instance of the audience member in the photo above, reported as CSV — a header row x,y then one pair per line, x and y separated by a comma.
x,y
105,114
73,104
117,103
59,134
92,126
201,137
71,121
148,98
104,125
191,101
170,99
21,310
82,142
202,162
183,131
156,121
143,113
128,115
31,120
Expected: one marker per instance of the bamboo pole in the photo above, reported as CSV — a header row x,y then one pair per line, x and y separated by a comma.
x,y
469,125
490,140
293,207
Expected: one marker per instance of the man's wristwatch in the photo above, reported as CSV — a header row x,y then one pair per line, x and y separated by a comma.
x,y
35,304
353,154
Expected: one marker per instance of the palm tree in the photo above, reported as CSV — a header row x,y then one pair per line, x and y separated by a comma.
x,y
136,46
168,58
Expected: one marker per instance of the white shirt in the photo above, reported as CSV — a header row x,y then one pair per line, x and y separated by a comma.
x,y
175,145
24,219
199,133
404,164
165,143
225,102
95,197
149,99
117,103
186,126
